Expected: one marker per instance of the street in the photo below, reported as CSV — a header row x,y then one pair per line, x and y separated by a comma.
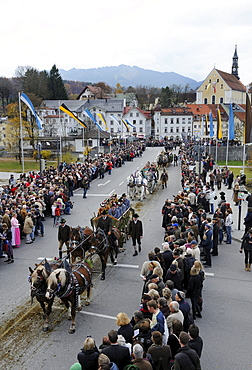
x,y
227,294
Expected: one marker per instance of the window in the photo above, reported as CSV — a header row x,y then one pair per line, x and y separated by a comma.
x,y
205,87
140,129
172,120
131,114
119,115
140,122
112,129
189,129
111,123
221,100
213,99
165,121
134,129
205,101
171,129
165,130
157,129
183,129
177,120
137,114
210,80
218,80
134,122
177,129
221,86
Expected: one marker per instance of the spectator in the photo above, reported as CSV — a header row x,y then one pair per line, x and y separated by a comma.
x,y
160,354
125,327
195,341
138,358
175,313
116,353
186,358
88,357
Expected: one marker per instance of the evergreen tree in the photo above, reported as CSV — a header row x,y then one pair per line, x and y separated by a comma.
x,y
55,85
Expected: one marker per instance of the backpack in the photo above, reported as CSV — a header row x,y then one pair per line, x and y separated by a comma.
x,y
131,367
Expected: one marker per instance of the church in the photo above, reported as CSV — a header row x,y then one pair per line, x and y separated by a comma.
x,y
221,87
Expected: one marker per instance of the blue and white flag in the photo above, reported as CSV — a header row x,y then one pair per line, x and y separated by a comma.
x,y
211,134
115,120
128,122
89,115
29,104
231,135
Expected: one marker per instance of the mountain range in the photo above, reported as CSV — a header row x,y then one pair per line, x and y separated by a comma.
x,y
128,76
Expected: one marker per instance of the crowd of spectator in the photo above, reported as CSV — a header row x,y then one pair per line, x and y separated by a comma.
x,y
25,202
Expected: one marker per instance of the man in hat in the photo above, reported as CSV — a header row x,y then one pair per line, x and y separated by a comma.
x,y
63,236
105,222
136,232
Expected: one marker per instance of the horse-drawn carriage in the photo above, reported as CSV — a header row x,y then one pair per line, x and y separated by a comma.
x,y
142,181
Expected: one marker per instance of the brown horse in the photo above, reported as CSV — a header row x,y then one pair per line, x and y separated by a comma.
x,y
68,285
37,279
98,243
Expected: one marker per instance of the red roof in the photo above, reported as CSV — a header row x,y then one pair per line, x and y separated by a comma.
x,y
232,81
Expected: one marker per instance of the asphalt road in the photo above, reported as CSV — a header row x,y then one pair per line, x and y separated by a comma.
x,y
225,326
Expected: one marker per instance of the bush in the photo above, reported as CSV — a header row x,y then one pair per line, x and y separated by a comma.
x,y
46,154
69,157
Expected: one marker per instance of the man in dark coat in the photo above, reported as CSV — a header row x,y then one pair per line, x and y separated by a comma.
x,y
186,358
118,354
136,232
63,236
207,244
105,223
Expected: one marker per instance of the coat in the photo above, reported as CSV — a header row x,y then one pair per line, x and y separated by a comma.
x,y
127,332
135,229
207,243
64,233
88,359
120,355
161,356
28,225
185,358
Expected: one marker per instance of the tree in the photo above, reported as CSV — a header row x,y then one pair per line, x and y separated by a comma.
x,y
55,85
105,87
6,88
119,89
166,97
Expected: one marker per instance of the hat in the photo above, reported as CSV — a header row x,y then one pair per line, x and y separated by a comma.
x,y
153,276
176,225
181,294
222,193
76,366
135,215
104,212
62,221
207,225
123,195
138,315
193,242
173,267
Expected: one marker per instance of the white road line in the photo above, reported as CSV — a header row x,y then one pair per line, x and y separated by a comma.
x,y
121,183
93,195
209,274
112,192
104,183
97,315
122,265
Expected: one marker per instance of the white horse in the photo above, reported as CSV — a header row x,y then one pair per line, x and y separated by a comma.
x,y
131,186
151,183
140,186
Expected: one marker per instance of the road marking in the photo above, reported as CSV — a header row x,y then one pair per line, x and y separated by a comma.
x,y
209,273
104,183
111,192
122,265
93,195
97,315
121,183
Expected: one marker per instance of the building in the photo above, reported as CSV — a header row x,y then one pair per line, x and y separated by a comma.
x,y
221,87
173,123
141,121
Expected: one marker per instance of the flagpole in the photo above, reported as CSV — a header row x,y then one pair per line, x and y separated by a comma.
x,y
216,149
243,157
21,132
227,148
60,136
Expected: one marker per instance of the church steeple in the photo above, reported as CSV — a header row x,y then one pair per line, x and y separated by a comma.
x,y
235,64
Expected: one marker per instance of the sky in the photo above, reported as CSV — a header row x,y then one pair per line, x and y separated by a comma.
x,y
186,37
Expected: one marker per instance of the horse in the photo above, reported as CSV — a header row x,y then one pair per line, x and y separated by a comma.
x,y
131,186
151,182
37,279
68,285
75,236
98,243
140,186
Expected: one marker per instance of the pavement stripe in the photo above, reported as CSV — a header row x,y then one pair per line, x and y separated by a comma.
x,y
122,265
104,183
209,273
93,195
112,192
97,315
121,183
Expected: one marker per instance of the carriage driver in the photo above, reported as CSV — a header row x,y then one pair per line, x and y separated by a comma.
x,y
63,236
105,223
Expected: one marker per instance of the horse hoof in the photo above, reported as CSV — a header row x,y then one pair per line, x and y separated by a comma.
x,y
69,317
45,329
71,331
80,308
103,277
115,263
87,303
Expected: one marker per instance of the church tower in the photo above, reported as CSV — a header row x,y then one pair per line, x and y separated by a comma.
x,y
235,64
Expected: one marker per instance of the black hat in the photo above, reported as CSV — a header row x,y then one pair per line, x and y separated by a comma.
x,y
153,276
222,193
104,212
173,267
62,221
135,215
